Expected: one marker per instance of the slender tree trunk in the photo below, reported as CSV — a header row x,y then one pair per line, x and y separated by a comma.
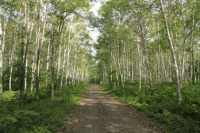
x,y
183,54
197,78
11,62
159,58
82,73
74,66
63,67
38,58
178,87
132,70
139,65
3,41
27,51
59,61
47,67
116,65
40,44
192,69
124,64
111,67
119,64
143,39
163,68
52,63
25,75
1,86
23,42
68,57
34,64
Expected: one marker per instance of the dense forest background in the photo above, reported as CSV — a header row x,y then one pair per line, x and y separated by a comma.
x,y
43,42
147,55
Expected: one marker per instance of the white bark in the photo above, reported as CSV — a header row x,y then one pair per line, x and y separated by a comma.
x,y
34,64
75,66
68,57
132,71
183,50
59,61
192,68
26,71
139,65
169,35
82,73
3,41
1,86
63,65
111,66
40,45
11,62
27,47
23,42
47,67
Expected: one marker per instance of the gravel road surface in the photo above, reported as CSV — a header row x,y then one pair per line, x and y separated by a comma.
x,y
98,112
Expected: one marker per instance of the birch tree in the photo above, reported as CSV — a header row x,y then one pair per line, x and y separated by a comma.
x,y
1,86
171,43
23,42
39,47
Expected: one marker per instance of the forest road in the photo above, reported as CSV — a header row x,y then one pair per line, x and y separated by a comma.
x,y
98,112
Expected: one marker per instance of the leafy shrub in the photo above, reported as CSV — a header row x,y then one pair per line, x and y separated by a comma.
x,y
11,95
44,116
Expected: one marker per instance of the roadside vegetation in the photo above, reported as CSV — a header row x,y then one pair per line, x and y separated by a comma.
x,y
44,116
162,106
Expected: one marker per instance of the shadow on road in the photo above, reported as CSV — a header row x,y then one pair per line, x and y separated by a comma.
x,y
98,112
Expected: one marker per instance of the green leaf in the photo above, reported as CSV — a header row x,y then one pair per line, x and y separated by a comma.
x,y
13,119
8,117
26,112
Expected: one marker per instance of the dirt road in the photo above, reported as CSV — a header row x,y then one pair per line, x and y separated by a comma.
x,y
98,112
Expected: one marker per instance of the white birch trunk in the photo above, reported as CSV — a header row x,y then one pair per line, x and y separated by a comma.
x,y
82,72
63,67
27,48
169,35
68,57
23,42
1,63
26,71
74,66
34,64
139,65
183,50
132,71
40,44
47,67
59,61
11,63
111,67
3,41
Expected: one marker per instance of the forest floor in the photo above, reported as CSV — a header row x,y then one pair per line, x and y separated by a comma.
x,y
98,112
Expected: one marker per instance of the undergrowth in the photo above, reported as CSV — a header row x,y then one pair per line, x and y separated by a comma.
x,y
183,117
44,116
